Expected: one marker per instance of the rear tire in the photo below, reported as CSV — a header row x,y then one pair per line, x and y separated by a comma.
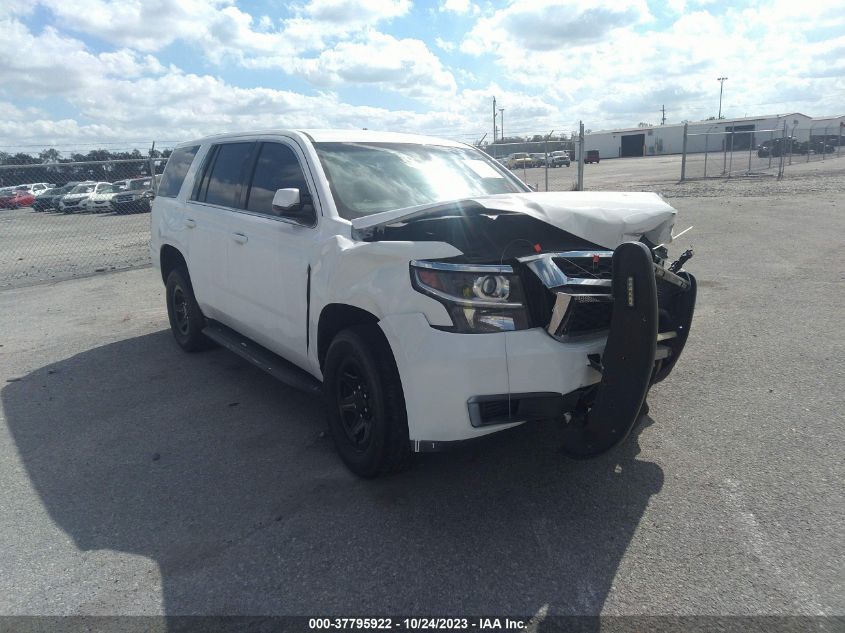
x,y
183,311
365,404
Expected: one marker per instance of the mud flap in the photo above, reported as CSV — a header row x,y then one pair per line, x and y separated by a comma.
x,y
628,359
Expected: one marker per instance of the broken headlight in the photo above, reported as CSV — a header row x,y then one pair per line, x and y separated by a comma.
x,y
479,299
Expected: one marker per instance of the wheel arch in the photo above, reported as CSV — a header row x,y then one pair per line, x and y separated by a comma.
x,y
170,258
336,317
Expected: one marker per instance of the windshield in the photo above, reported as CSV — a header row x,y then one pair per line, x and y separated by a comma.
x,y
83,188
367,178
137,185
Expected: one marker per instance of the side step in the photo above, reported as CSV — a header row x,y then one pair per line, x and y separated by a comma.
x,y
262,358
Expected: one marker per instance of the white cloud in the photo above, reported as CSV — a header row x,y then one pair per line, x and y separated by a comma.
x,y
548,25
406,66
549,63
51,63
459,6
444,44
219,27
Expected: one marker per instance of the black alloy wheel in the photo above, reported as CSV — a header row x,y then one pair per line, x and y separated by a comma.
x,y
354,399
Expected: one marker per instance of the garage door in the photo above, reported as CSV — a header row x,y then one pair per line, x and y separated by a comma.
x,y
632,145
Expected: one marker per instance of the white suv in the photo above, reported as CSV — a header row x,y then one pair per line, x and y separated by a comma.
x,y
423,289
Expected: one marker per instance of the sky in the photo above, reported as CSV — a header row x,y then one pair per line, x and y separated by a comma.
x,y
132,71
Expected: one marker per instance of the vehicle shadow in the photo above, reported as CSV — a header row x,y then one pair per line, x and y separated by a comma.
x,y
226,479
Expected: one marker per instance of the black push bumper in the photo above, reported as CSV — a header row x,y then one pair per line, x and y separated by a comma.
x,y
648,330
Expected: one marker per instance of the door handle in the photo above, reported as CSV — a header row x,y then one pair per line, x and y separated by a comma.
x,y
240,238
190,223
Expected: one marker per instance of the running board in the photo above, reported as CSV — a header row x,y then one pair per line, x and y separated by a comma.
x,y
262,358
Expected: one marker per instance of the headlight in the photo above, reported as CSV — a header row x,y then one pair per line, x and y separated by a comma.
x,y
478,298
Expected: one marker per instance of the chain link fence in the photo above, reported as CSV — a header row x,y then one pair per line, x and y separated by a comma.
x,y
64,214
546,163
816,142
739,151
69,218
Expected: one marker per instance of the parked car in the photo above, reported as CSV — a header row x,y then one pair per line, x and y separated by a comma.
x,y
100,200
36,188
46,199
520,160
592,156
539,159
426,311
72,202
52,200
136,198
16,197
559,159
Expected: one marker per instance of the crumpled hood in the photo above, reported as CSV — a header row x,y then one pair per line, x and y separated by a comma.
x,y
605,218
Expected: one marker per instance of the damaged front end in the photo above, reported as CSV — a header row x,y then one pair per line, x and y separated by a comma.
x,y
646,310
582,268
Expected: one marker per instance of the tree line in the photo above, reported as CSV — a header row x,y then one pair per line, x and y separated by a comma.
x,y
56,167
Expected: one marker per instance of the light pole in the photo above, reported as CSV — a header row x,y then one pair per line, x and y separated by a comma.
x,y
721,81
502,123
494,119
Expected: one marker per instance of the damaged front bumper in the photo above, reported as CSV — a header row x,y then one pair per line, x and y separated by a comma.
x,y
607,326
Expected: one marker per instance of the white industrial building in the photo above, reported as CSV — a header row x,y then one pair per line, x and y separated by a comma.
x,y
713,135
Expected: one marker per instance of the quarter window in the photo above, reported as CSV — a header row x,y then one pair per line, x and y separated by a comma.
x,y
276,168
176,170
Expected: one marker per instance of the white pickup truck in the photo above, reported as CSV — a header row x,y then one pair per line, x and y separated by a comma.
x,y
427,293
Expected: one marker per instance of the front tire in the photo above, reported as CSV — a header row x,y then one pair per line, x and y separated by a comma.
x,y
183,311
365,404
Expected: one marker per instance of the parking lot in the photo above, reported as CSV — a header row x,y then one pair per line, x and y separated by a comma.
x,y
137,479
38,247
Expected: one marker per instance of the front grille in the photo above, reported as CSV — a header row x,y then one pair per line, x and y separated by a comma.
x,y
585,267
584,275
123,198
588,314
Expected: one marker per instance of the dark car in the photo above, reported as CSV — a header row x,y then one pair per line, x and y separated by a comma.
x,y
136,198
592,156
50,198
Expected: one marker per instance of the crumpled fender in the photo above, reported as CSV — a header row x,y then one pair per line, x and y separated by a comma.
x,y
373,276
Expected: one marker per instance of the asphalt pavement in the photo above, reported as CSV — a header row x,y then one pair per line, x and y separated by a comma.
x,y
136,479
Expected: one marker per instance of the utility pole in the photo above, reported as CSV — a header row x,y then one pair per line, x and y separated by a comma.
x,y
502,123
663,121
494,119
721,81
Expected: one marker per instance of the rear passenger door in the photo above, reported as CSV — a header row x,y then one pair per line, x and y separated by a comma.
x,y
269,255
208,219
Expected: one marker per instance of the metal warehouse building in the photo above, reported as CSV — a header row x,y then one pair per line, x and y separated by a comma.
x,y
705,135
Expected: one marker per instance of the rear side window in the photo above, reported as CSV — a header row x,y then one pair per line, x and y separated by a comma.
x,y
176,170
221,183
276,168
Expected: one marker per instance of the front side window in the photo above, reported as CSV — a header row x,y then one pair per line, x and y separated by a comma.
x,y
176,170
221,183
276,168
367,178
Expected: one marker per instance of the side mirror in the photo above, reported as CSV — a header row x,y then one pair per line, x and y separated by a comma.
x,y
285,200
293,205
